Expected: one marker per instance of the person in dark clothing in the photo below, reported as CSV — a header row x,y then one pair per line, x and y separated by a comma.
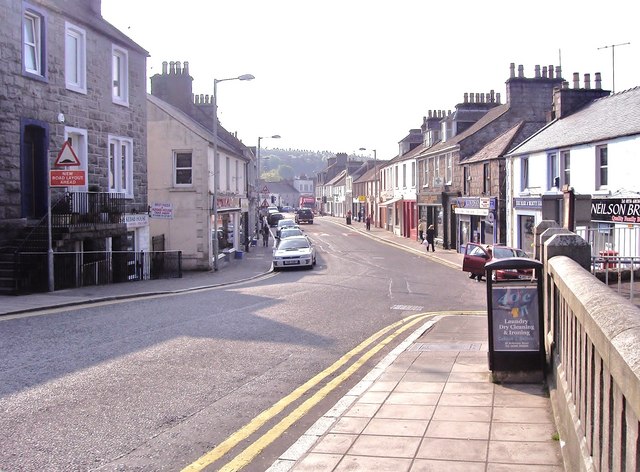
x,y
367,222
265,235
431,233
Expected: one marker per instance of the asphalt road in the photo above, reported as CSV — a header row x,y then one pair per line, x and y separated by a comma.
x,y
180,381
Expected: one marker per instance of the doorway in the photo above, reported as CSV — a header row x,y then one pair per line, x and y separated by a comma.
x,y
34,186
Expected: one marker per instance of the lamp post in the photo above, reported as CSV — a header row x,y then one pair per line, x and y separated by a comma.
x,y
375,185
260,138
216,176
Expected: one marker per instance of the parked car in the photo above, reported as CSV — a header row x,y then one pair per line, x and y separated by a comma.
x,y
477,255
289,232
296,251
273,218
284,223
304,215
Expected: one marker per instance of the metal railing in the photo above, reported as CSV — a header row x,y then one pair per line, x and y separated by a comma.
x,y
615,257
84,208
81,269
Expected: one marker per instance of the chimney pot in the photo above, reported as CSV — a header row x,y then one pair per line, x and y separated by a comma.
x,y
521,71
164,67
186,68
544,72
558,72
493,96
598,81
537,71
172,67
498,98
471,97
576,80
550,71
587,81
178,68
512,70
466,97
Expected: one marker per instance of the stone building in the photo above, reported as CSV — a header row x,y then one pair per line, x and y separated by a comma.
x,y
462,193
68,76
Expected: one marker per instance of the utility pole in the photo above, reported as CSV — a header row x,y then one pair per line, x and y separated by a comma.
x,y
613,62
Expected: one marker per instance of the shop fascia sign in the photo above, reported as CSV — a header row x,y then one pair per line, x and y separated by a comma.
x,y
617,210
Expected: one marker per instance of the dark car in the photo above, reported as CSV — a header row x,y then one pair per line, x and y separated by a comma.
x,y
304,215
477,255
273,218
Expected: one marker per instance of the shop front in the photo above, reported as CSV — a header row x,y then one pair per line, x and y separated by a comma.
x,y
231,224
476,220
430,210
527,212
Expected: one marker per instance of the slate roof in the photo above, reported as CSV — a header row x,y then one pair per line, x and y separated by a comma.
x,y
497,147
606,118
338,178
493,114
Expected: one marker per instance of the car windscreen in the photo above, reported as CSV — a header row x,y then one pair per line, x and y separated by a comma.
x,y
502,252
287,233
293,244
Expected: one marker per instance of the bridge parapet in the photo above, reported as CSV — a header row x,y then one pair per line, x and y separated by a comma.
x,y
593,336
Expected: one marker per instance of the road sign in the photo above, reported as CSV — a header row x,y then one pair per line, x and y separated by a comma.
x,y
66,156
67,178
265,203
265,189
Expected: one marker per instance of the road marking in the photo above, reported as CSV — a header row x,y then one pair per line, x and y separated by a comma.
x,y
259,421
246,456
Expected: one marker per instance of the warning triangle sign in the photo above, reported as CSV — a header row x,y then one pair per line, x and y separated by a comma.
x,y
265,203
265,189
66,156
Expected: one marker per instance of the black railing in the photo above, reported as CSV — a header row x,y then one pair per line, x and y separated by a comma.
x,y
80,269
83,208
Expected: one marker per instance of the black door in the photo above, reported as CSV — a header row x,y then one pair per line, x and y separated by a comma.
x,y
33,172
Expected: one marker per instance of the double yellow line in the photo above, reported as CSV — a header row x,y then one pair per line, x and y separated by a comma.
x,y
248,454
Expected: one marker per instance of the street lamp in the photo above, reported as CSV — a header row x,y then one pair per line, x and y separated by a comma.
x,y
375,185
216,176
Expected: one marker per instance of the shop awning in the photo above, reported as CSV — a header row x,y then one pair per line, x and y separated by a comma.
x,y
393,200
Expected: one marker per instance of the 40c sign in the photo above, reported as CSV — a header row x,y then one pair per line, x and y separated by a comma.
x,y
515,318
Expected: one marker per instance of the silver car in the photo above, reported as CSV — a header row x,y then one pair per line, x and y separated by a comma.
x,y
296,251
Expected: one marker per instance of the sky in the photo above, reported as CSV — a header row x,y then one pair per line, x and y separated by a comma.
x,y
340,75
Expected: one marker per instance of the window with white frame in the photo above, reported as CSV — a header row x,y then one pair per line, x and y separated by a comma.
x,y
437,179
33,57
466,177
427,165
182,168
448,176
413,174
486,181
78,139
602,167
227,168
553,171
404,175
120,75
565,167
237,176
75,59
524,174
397,176
121,165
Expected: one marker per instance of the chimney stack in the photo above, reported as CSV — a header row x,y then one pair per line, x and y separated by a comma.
x,y
598,81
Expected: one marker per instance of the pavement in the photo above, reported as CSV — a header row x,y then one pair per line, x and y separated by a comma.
x,y
428,406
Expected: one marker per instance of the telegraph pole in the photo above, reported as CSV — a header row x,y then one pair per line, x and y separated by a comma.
x,y
613,62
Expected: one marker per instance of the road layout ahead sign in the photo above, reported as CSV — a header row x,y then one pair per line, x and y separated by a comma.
x,y
67,178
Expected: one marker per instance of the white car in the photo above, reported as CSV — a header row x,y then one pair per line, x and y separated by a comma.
x,y
296,251
284,223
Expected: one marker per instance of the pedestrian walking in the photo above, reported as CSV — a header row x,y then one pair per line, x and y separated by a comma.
x,y
367,222
265,235
431,233
421,229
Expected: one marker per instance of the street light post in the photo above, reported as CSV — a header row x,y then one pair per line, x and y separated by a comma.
x,y
216,176
258,177
375,185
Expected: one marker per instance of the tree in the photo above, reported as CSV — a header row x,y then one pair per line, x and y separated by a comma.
x,y
286,172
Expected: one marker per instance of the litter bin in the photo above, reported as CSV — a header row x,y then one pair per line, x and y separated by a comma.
x,y
516,321
607,256
238,254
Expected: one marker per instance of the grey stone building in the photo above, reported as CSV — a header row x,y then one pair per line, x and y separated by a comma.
x,y
69,79
462,190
